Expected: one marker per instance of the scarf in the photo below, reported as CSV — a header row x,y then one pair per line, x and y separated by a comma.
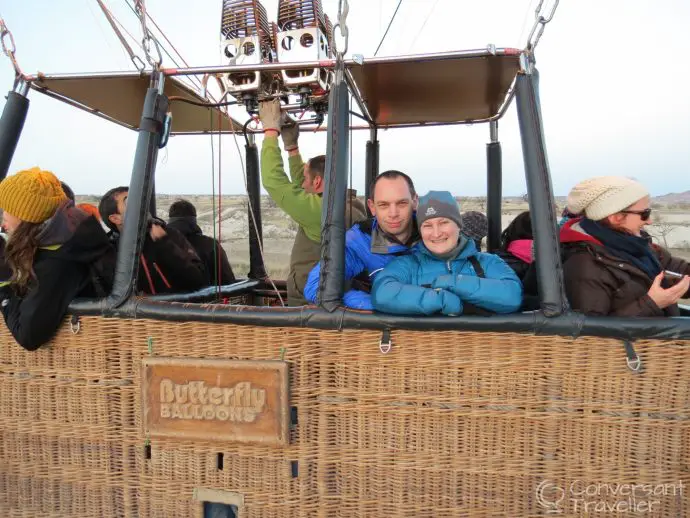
x,y
454,252
633,249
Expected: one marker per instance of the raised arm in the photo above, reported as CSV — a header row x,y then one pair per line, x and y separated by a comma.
x,y
290,136
303,207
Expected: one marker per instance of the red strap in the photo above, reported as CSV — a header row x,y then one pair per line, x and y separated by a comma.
x,y
148,273
165,280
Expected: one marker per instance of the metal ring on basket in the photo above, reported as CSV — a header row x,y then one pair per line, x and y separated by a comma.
x,y
386,344
75,325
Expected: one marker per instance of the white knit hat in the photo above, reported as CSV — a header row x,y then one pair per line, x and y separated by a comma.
x,y
603,196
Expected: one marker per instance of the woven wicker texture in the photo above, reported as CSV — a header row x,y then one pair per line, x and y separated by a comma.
x,y
446,424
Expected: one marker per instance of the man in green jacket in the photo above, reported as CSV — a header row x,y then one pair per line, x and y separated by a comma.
x,y
300,196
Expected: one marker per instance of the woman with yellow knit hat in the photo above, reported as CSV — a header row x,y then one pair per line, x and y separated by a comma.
x,y
51,250
609,263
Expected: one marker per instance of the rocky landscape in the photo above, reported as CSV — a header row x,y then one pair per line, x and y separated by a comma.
x,y
671,226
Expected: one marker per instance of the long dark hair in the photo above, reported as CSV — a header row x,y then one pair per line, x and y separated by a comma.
x,y
519,228
19,252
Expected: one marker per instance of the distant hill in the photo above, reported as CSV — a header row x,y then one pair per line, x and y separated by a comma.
x,y
164,200
674,197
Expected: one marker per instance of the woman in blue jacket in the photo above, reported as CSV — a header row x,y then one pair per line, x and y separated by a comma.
x,y
446,272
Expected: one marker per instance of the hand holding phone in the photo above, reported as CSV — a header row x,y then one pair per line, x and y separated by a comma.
x,y
673,275
664,297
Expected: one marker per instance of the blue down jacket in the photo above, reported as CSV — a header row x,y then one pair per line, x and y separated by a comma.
x,y
367,250
422,284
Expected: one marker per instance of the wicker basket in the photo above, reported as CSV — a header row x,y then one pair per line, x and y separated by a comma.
x,y
445,424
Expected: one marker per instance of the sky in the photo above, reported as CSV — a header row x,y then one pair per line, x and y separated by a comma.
x,y
614,76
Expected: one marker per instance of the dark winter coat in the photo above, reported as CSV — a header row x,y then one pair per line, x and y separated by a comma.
x,y
599,283
208,249
70,244
168,265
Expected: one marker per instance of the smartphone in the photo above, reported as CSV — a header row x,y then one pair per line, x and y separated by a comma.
x,y
673,275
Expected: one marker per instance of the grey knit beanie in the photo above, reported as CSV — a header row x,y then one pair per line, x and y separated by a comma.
x,y
438,204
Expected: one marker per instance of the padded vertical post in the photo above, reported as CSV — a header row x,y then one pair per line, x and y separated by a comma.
x,y
540,192
138,199
257,269
371,170
494,189
152,201
331,282
11,125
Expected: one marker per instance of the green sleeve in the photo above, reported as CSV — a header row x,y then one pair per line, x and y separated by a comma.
x,y
301,206
296,169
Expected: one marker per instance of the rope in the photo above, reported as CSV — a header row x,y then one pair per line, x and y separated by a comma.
x,y
213,201
419,32
347,195
388,28
251,213
106,37
193,79
136,60
525,21
220,194
166,39
246,188
127,32
174,98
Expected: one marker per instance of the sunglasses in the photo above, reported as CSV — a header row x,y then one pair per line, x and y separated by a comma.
x,y
644,214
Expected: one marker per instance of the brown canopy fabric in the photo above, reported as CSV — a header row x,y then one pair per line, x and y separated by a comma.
x,y
460,89
120,98
446,88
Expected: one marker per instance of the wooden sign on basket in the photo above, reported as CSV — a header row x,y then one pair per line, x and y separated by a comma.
x,y
218,400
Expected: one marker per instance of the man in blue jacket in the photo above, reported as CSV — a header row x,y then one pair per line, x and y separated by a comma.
x,y
445,273
371,245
